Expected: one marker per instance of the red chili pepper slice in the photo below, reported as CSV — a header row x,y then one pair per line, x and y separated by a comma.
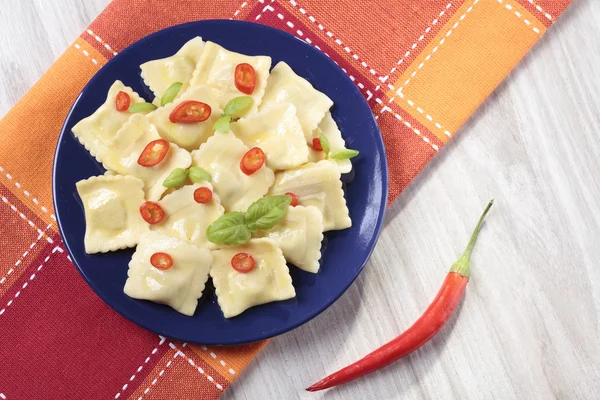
x,y
316,144
252,161
243,262
189,112
245,78
122,101
203,195
153,153
294,201
152,212
432,320
161,261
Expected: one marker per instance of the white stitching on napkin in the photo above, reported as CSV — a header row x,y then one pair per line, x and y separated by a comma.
x,y
420,66
162,340
415,44
265,9
519,15
24,218
213,355
54,250
442,41
86,53
35,201
331,36
106,46
196,367
420,110
429,117
309,41
408,124
25,254
156,379
537,7
244,4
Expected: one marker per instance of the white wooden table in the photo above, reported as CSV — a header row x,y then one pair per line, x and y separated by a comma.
x,y
529,327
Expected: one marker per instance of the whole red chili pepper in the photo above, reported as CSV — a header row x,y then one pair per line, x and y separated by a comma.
x,y
432,320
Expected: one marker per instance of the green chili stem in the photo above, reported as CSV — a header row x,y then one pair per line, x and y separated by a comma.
x,y
463,265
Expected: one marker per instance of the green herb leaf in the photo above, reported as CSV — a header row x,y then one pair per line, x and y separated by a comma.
x,y
141,107
198,175
170,94
237,104
176,178
324,144
222,124
265,213
343,154
230,228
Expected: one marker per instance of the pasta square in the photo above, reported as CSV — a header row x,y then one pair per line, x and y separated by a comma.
x,y
112,212
187,219
278,133
319,185
221,156
187,136
158,75
285,86
330,130
299,235
179,286
269,281
97,131
126,148
216,70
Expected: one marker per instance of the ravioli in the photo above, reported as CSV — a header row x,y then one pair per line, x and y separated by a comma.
x,y
220,156
285,86
187,136
97,131
285,115
180,286
126,148
112,217
278,133
299,235
186,219
269,281
317,184
158,75
216,69
330,130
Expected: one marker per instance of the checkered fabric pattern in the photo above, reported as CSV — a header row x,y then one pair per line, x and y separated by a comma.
x,y
423,66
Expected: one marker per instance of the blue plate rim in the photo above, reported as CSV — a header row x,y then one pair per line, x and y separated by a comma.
x,y
131,316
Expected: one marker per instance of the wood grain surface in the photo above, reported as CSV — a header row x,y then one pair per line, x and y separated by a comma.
x,y
529,326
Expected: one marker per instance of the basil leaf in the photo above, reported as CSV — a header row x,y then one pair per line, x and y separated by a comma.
x,y
176,178
324,144
265,213
230,228
343,154
237,104
198,175
170,94
222,124
141,107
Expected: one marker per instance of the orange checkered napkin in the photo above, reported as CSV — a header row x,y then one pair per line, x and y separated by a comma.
x,y
423,65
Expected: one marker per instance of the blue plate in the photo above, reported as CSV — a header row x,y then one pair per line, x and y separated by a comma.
x,y
345,252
